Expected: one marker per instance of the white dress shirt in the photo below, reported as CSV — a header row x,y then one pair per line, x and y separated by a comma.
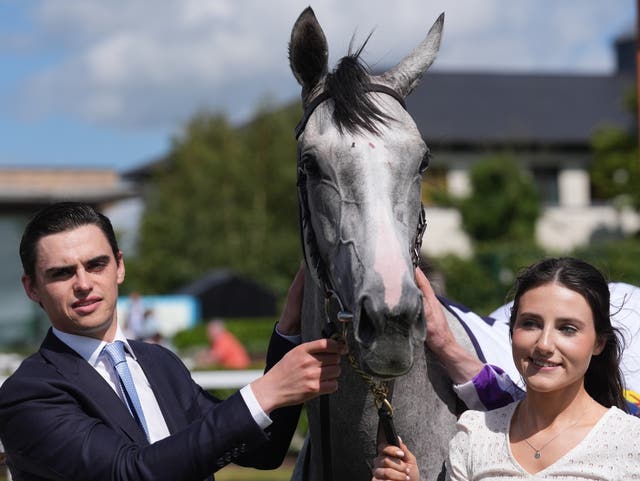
x,y
91,350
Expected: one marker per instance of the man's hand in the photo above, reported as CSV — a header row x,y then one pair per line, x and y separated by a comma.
x,y
289,323
439,336
305,372
460,365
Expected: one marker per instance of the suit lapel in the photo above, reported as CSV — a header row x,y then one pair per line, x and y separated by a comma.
x,y
94,394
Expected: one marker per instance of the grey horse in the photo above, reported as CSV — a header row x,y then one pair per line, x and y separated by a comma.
x,y
360,165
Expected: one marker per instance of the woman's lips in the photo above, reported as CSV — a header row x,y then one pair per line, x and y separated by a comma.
x,y
542,363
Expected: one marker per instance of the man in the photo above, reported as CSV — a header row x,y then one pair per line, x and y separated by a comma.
x,y
76,410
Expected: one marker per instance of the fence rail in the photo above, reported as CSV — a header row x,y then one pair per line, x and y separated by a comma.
x,y
216,379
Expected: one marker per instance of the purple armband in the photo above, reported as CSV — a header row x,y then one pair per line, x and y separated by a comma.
x,y
491,388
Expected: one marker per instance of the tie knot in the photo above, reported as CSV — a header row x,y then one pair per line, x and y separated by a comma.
x,y
115,351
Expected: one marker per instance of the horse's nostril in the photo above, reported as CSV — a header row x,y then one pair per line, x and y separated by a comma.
x,y
366,330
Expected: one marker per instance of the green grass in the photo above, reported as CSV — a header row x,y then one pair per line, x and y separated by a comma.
x,y
238,473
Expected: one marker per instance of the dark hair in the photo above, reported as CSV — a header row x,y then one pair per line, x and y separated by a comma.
x,y
61,217
603,380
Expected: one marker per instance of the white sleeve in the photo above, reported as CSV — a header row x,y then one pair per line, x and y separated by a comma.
x,y
259,416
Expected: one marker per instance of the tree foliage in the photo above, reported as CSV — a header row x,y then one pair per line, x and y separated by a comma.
x,y
615,170
224,197
504,203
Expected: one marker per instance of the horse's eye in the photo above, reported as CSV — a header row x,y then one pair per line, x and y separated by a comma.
x,y
309,165
424,164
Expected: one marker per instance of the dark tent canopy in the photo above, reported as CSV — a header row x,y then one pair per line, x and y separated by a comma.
x,y
223,293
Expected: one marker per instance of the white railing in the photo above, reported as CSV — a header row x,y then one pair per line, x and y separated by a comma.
x,y
225,379
216,379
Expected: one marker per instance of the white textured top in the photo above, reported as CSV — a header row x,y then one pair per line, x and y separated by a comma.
x,y
480,450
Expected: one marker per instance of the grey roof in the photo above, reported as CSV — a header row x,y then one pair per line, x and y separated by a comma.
x,y
93,196
472,109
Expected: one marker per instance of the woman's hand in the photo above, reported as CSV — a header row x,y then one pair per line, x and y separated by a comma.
x,y
395,463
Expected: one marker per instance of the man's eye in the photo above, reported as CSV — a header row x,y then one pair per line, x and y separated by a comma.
x,y
97,267
60,274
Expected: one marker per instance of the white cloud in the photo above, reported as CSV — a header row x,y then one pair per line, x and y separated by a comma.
x,y
142,63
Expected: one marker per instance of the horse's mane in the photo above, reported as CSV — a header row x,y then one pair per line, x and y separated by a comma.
x,y
348,85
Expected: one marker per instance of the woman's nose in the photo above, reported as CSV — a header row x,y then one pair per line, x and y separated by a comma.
x,y
545,343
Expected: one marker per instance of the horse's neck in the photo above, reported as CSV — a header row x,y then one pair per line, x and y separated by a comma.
x,y
424,405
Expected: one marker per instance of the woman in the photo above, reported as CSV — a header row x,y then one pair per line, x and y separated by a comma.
x,y
571,424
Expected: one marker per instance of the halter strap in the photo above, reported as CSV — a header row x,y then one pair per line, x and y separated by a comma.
x,y
308,110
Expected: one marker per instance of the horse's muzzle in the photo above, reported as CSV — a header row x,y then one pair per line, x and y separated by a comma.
x,y
388,338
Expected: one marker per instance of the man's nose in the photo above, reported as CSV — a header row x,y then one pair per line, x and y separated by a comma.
x,y
82,281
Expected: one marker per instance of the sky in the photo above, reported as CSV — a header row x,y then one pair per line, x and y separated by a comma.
x,y
110,83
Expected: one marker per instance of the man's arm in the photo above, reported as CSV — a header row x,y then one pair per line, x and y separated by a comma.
x,y
480,386
461,366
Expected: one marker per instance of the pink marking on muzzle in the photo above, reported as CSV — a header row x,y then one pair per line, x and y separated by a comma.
x,y
389,263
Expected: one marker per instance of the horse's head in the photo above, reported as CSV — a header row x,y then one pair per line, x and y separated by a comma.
x,y
360,164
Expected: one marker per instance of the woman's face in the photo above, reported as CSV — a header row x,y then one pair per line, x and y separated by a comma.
x,y
554,338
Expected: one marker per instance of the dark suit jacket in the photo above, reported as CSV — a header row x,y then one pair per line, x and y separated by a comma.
x,y
60,420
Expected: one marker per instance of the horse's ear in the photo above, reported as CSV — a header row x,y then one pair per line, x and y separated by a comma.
x,y
405,76
308,51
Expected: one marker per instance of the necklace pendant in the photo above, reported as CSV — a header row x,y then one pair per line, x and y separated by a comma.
x,y
537,455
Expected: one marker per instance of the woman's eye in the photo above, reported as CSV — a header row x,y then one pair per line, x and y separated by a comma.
x,y
568,329
528,324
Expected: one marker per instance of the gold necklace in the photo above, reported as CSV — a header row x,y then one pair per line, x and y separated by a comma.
x,y
537,452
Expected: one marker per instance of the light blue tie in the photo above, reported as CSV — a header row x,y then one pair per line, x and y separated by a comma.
x,y
115,351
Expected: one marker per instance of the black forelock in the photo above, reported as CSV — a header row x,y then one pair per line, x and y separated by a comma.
x,y
348,86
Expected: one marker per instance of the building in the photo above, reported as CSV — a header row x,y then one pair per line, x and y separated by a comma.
x,y
546,121
225,294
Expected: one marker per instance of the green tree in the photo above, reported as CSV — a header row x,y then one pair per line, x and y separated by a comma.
x,y
504,203
615,170
223,197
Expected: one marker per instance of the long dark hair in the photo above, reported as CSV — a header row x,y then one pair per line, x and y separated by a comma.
x,y
603,380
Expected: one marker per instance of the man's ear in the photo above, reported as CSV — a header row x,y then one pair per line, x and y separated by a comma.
x,y
120,267
30,288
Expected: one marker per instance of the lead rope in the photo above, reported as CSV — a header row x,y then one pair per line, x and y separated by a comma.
x,y
381,391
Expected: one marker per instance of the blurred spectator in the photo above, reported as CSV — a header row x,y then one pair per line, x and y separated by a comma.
x,y
225,349
134,326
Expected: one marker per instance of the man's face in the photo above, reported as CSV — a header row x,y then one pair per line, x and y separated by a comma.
x,y
76,282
